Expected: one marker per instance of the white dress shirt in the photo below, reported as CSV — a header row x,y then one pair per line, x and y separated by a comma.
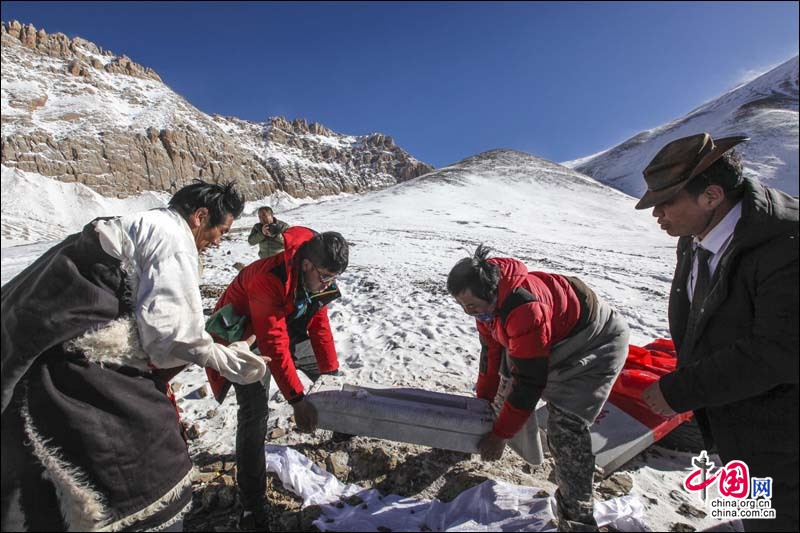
x,y
716,242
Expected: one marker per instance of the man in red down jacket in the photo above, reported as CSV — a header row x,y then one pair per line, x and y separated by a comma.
x,y
284,298
555,339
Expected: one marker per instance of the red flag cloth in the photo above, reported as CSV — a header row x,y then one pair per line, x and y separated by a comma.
x,y
644,366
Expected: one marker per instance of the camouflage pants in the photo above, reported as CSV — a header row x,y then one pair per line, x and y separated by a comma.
x,y
570,443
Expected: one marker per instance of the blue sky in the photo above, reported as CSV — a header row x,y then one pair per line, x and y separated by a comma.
x,y
447,80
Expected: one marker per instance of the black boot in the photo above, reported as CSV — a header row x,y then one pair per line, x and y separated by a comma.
x,y
254,519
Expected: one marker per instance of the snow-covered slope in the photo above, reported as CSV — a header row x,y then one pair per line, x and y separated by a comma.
x,y
396,323
765,109
407,237
36,208
40,209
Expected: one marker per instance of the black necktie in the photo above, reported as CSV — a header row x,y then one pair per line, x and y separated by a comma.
x,y
703,276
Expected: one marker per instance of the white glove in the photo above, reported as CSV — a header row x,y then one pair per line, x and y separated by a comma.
x,y
236,362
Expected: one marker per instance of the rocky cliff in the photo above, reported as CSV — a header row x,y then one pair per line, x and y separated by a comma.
x,y
77,113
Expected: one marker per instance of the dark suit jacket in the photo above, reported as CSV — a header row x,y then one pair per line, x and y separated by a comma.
x,y
738,350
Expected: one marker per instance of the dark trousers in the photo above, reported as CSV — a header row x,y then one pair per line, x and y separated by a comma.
x,y
251,428
781,466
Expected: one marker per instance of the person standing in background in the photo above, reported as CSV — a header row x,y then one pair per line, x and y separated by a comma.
x,y
267,233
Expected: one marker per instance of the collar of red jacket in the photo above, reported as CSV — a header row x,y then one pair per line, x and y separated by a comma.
x,y
512,275
293,238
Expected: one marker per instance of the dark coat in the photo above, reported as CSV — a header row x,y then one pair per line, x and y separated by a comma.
x,y
85,445
738,351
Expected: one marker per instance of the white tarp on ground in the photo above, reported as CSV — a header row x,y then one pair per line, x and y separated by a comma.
x,y
490,506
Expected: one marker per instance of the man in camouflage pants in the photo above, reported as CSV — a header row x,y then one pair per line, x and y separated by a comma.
x,y
543,336
571,445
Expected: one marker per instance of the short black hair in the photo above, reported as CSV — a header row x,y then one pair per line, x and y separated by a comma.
x,y
219,199
327,250
475,273
266,208
727,172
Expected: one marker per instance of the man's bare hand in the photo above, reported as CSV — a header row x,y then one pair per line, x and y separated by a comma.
x,y
305,416
251,340
653,397
491,447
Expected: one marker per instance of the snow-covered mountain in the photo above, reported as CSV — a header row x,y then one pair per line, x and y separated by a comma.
x,y
765,109
75,112
406,238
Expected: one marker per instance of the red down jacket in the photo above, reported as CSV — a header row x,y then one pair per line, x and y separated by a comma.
x,y
267,301
528,332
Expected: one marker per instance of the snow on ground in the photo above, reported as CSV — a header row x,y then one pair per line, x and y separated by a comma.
x,y
39,211
37,208
395,323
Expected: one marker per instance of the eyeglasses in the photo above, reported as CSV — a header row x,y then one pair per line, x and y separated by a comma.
x,y
322,277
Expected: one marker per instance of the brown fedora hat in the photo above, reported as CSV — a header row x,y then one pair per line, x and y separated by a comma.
x,y
680,161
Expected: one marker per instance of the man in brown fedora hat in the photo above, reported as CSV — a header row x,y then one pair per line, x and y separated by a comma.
x,y
732,311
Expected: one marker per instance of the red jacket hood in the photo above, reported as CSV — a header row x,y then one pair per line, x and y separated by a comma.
x,y
293,239
512,275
